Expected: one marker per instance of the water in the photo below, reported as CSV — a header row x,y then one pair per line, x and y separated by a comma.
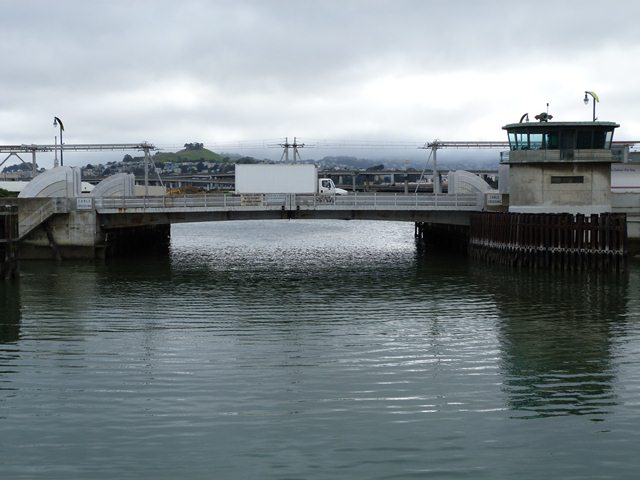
x,y
316,350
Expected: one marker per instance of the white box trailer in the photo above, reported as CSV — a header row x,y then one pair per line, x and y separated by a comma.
x,y
276,178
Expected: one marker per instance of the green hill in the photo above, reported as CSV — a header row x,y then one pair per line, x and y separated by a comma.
x,y
188,155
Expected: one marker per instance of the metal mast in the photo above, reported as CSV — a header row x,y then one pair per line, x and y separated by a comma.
x,y
294,146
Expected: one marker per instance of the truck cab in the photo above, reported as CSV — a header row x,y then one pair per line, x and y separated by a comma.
x,y
327,187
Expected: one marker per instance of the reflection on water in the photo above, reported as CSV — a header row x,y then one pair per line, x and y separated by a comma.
x,y
555,335
315,350
9,312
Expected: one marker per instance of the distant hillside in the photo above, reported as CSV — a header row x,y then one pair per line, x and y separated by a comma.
x,y
188,155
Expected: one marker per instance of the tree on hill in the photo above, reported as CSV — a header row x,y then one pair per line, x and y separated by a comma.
x,y
193,146
188,156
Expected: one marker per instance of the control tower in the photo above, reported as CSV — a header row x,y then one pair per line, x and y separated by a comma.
x,y
559,167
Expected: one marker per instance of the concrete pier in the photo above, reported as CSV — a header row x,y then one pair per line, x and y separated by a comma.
x,y
61,230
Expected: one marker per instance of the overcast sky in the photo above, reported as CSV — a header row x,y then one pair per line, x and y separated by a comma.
x,y
220,72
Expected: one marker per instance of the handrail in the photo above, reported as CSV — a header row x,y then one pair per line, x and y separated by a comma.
x,y
37,217
375,201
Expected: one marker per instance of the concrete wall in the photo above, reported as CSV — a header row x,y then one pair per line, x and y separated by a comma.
x,y
629,203
530,188
72,235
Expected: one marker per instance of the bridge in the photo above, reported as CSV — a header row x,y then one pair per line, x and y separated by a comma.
x,y
54,216
86,226
121,212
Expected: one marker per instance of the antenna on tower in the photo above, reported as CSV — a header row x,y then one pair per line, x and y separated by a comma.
x,y
295,146
285,153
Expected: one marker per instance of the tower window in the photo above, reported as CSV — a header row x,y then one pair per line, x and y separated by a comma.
x,y
567,179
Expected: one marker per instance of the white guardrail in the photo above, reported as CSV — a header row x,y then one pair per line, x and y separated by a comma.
x,y
34,218
359,201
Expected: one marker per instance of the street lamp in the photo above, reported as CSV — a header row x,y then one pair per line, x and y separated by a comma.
x,y
595,100
57,122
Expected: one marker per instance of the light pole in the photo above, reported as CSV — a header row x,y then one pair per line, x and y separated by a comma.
x,y
595,100
57,122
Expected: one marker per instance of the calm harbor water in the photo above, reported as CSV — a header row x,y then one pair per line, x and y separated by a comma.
x,y
316,350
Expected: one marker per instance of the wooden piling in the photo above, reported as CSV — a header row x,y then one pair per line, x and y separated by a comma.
x,y
8,242
550,241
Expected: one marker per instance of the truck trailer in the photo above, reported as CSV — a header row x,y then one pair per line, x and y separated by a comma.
x,y
257,178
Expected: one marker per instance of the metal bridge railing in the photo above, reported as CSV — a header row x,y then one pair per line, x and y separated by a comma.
x,y
364,201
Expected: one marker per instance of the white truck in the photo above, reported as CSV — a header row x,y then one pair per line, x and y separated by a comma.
x,y
258,178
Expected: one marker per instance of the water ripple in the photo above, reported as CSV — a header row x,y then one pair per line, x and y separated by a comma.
x,y
315,350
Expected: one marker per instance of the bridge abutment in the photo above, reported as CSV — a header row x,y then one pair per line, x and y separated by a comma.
x,y
75,234
79,235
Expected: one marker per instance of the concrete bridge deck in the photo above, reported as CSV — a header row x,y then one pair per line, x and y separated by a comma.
x,y
84,226
116,212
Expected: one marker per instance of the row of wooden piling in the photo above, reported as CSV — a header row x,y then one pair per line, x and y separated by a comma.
x,y
8,242
550,241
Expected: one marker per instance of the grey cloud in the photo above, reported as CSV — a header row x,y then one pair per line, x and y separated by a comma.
x,y
259,65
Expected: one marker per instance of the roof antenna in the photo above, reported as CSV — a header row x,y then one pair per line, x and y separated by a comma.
x,y
544,116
